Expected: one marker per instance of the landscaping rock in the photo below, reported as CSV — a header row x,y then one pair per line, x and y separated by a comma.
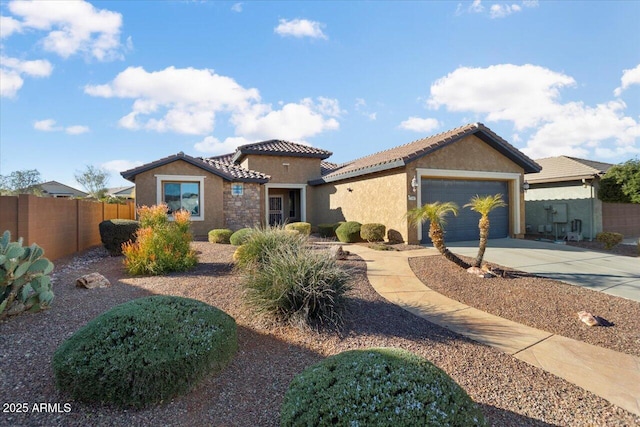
x,y
338,253
479,272
92,281
588,318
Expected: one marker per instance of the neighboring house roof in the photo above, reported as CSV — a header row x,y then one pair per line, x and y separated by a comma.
x,y
279,148
326,167
55,188
121,191
224,170
403,154
565,168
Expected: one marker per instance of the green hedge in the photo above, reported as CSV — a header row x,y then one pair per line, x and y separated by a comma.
x,y
377,387
301,227
326,230
348,232
239,237
373,232
220,235
115,232
145,351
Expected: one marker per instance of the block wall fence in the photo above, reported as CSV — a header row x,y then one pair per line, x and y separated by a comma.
x,y
60,226
621,218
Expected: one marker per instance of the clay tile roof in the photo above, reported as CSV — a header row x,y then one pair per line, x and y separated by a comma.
x,y
403,154
326,167
227,171
281,148
565,168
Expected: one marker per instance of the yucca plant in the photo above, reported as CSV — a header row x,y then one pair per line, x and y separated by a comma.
x,y
436,213
484,205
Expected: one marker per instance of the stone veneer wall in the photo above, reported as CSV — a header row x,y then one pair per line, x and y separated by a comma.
x,y
242,211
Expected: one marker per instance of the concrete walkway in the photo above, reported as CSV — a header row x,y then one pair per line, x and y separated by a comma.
x,y
612,274
609,374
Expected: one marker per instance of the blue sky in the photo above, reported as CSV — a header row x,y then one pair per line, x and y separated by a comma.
x,y
121,83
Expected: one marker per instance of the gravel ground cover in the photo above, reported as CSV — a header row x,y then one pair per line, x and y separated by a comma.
x,y
250,390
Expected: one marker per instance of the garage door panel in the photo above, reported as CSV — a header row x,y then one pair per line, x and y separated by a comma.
x,y
465,225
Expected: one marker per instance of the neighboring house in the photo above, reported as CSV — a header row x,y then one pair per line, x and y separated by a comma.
x,y
279,181
57,189
122,192
562,199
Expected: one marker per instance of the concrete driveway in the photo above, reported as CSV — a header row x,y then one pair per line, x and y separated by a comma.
x,y
608,273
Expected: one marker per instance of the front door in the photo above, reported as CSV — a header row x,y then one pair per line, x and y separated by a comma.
x,y
275,210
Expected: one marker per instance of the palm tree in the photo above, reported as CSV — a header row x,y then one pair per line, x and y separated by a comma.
x,y
435,213
484,205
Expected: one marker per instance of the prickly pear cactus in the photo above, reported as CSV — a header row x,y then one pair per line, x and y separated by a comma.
x,y
24,277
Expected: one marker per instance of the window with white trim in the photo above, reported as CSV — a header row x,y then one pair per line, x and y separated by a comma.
x,y
237,189
180,192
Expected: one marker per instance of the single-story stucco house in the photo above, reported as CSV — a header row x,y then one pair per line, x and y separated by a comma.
x,y
57,189
278,181
562,199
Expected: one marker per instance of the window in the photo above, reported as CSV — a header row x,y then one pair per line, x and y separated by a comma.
x,y
237,189
182,193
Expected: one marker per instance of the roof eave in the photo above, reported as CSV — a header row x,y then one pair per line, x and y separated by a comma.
x,y
359,172
561,179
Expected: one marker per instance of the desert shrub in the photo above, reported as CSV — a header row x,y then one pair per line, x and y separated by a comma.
x,y
609,239
299,286
220,235
336,225
377,387
145,351
373,232
239,237
300,227
25,283
115,232
326,230
263,242
349,232
161,245
381,246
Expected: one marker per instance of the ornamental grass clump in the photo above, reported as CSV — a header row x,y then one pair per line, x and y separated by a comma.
x,y
239,237
298,286
145,351
161,245
377,387
262,242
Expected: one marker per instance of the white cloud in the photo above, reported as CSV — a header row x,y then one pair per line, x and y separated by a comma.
x,y
629,77
118,166
295,121
329,107
524,94
72,26
529,97
372,116
360,103
300,28
476,6
12,70
76,129
237,7
417,124
8,26
47,125
182,100
502,10
212,145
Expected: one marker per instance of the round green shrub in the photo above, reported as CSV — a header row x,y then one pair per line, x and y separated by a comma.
x,y
239,237
609,239
220,235
336,225
326,230
115,232
373,232
145,351
377,387
349,232
301,227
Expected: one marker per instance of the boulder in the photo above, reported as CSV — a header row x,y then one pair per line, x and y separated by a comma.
x,y
479,272
588,318
92,281
338,253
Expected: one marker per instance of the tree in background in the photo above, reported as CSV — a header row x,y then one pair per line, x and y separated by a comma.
x,y
21,182
94,180
621,183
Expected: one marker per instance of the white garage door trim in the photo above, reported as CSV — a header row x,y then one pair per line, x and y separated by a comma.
x,y
514,180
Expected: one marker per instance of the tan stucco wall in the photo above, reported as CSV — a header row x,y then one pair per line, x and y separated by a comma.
x,y
146,193
299,171
472,154
380,198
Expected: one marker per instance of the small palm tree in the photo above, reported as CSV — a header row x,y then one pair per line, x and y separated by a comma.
x,y
484,205
435,213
